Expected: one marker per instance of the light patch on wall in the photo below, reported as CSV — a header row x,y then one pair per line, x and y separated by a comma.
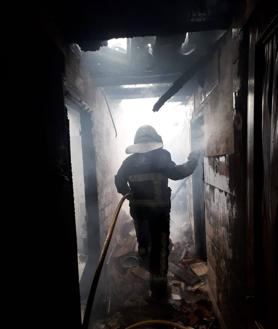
x,y
118,44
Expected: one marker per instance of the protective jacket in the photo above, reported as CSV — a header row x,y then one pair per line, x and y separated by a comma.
x,y
146,175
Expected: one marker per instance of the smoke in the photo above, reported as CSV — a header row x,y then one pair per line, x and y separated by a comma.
x,y
173,124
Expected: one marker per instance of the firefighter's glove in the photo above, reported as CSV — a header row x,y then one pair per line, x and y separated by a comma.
x,y
194,155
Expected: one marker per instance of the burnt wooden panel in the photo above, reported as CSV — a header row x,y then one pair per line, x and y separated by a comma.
x,y
224,179
225,253
219,132
216,172
220,219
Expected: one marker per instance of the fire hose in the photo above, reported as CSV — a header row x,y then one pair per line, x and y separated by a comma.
x,y
103,253
93,289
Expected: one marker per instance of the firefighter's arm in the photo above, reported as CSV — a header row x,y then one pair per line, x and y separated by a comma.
x,y
121,180
176,172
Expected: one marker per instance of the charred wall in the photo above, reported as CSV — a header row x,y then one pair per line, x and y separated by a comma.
x,y
106,161
81,87
99,148
221,98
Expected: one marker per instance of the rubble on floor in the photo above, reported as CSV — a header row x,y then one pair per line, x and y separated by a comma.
x,y
200,268
128,289
188,302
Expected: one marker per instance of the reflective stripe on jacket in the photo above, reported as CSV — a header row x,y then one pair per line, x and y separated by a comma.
x,y
146,175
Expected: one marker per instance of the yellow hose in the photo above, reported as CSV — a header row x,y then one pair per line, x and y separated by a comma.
x,y
103,253
165,322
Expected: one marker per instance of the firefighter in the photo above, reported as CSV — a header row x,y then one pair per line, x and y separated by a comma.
x,y
145,175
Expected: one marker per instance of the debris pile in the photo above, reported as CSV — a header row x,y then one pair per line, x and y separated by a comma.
x,y
127,288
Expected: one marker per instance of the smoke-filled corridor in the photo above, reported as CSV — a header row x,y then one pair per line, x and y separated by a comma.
x,y
121,118
150,149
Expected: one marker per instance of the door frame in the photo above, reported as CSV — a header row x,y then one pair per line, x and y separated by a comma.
x,y
261,26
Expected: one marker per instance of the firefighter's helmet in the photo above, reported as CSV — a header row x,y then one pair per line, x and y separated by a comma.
x,y
146,140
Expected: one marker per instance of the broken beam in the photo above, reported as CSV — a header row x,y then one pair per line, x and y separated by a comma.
x,y
181,81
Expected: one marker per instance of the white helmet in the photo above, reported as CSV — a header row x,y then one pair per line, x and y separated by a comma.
x,y
146,139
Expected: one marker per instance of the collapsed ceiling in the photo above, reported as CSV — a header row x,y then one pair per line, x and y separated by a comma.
x,y
162,46
88,23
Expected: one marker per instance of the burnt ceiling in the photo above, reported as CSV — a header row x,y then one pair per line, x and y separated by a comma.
x,y
90,22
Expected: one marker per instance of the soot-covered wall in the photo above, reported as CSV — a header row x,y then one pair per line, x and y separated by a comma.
x,y
221,98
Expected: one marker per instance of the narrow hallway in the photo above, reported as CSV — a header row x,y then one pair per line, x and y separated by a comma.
x,y
173,104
